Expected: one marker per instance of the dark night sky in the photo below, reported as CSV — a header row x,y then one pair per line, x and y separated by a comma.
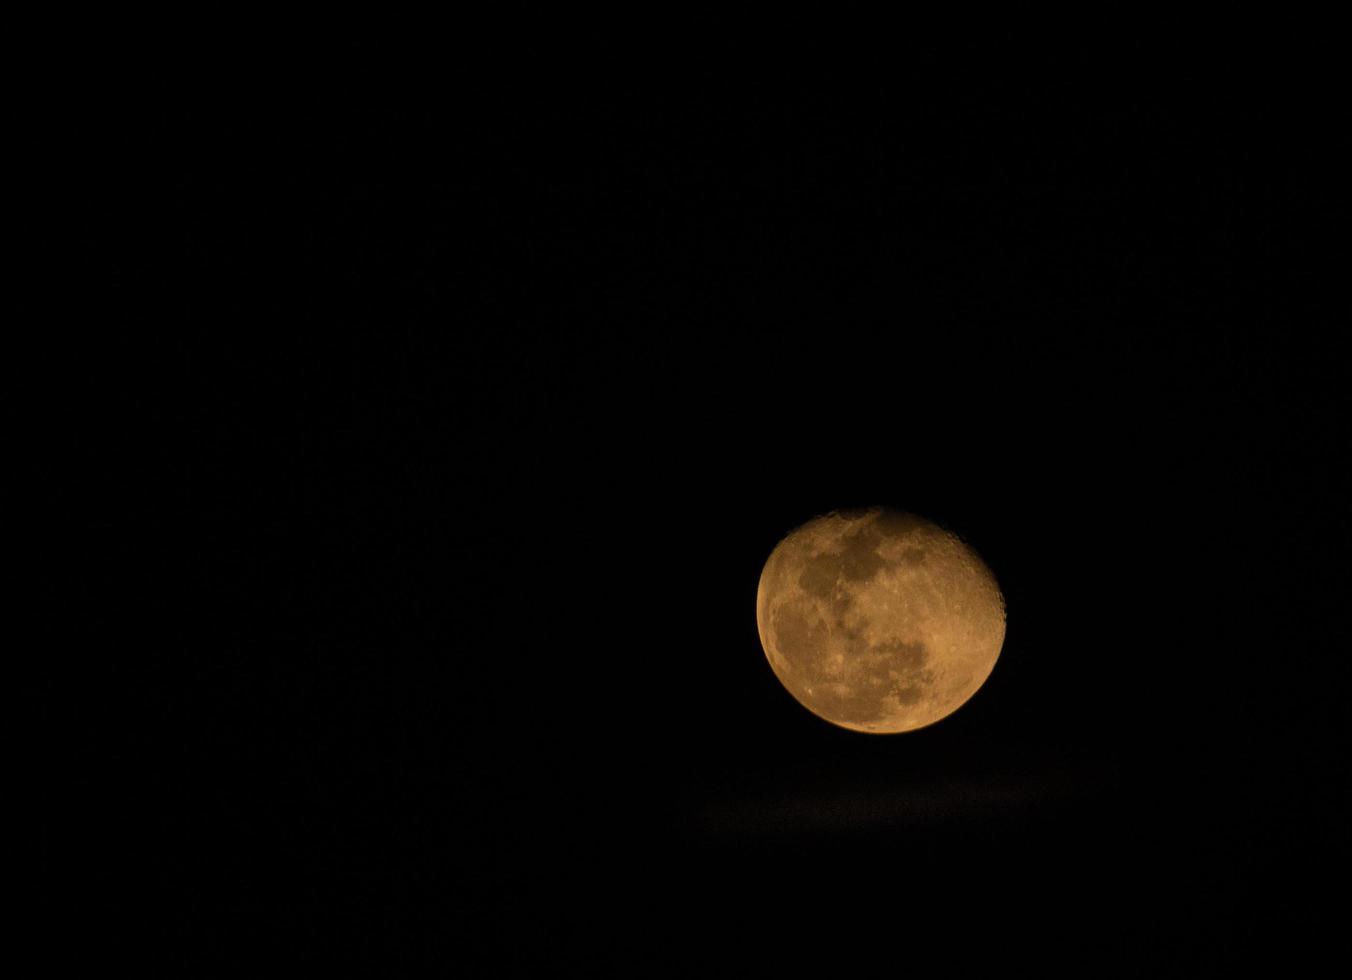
x,y
446,410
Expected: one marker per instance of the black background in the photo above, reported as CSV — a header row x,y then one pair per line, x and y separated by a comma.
x,y
445,409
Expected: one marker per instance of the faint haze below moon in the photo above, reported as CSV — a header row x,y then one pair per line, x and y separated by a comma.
x,y
927,802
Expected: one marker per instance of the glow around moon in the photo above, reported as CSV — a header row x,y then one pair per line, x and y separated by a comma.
x,y
878,620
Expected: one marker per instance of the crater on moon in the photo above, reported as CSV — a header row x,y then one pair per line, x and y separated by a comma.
x,y
878,620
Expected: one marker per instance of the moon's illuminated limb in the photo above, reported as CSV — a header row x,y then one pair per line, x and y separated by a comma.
x,y
879,621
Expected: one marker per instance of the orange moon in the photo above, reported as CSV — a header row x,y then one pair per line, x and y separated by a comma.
x,y
878,620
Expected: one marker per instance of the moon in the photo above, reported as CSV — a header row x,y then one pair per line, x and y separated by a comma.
x,y
878,620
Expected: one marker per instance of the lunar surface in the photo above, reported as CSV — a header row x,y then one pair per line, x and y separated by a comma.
x,y
878,620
